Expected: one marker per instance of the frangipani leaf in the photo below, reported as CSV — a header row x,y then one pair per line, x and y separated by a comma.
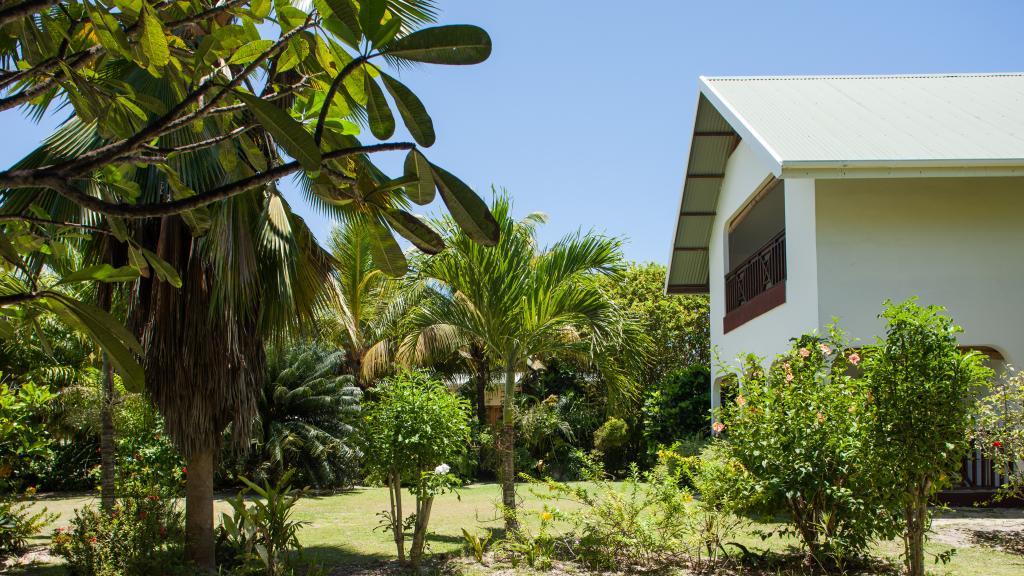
x,y
414,114
382,121
468,210
386,252
421,188
457,44
415,230
298,143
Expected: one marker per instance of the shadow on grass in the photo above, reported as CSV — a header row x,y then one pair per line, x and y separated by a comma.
x,y
34,569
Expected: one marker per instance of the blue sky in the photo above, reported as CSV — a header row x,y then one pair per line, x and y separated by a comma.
x,y
585,107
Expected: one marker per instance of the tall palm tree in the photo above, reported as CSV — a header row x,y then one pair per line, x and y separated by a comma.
x,y
523,305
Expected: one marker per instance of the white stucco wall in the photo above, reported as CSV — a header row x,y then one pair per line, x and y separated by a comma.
x,y
957,242
769,333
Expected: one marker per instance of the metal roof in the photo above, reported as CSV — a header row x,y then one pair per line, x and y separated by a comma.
x,y
843,126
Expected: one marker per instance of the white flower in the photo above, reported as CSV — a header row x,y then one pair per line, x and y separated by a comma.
x,y
442,469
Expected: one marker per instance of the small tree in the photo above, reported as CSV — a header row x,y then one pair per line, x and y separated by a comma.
x,y
999,432
920,383
411,431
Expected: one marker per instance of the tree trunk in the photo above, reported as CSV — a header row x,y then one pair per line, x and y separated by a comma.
x,y
199,544
916,516
483,376
395,487
419,537
507,454
108,450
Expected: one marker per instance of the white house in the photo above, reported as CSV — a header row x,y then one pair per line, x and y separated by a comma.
x,y
808,198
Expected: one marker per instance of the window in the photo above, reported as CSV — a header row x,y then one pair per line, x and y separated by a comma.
x,y
756,257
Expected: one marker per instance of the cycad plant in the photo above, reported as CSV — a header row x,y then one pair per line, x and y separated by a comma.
x,y
525,305
307,410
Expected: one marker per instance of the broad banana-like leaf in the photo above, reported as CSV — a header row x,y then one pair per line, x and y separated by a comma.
x,y
119,344
414,114
386,252
417,169
456,44
382,121
298,143
468,210
415,230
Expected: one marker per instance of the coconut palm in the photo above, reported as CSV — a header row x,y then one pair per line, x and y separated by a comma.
x,y
524,305
368,304
307,408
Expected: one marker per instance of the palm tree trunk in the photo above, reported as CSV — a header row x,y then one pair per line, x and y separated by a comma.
x,y
506,451
483,377
108,450
199,510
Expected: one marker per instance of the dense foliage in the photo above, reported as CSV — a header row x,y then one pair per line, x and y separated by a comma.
x,y
260,536
676,406
307,412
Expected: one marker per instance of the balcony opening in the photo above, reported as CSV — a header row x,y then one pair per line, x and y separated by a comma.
x,y
756,281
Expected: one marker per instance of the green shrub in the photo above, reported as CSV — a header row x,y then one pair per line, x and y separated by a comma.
x,y
799,428
141,536
723,485
610,440
641,523
259,536
920,384
412,431
677,407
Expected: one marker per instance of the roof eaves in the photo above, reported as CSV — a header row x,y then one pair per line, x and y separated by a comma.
x,y
742,127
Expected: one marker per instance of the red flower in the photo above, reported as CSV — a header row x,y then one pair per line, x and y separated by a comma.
x,y
184,470
997,444
152,497
92,540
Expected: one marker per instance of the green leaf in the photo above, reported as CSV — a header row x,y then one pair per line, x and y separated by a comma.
x,y
415,230
456,44
163,269
348,18
250,51
260,9
421,188
293,54
371,12
387,254
153,40
102,273
119,344
387,31
298,143
468,210
382,121
414,114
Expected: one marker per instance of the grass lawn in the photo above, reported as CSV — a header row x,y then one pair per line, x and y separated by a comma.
x,y
341,533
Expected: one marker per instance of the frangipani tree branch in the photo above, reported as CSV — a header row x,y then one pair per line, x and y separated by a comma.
x,y
157,209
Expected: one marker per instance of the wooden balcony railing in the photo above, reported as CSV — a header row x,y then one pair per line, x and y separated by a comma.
x,y
758,273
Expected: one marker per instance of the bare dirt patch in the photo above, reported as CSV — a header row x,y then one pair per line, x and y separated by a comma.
x,y
999,528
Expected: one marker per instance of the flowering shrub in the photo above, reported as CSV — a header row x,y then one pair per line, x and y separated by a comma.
x,y
799,429
142,536
999,431
411,430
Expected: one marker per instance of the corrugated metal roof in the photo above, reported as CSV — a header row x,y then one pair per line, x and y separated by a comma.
x,y
836,126
927,120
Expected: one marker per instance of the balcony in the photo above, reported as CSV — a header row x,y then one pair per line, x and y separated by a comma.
x,y
757,284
